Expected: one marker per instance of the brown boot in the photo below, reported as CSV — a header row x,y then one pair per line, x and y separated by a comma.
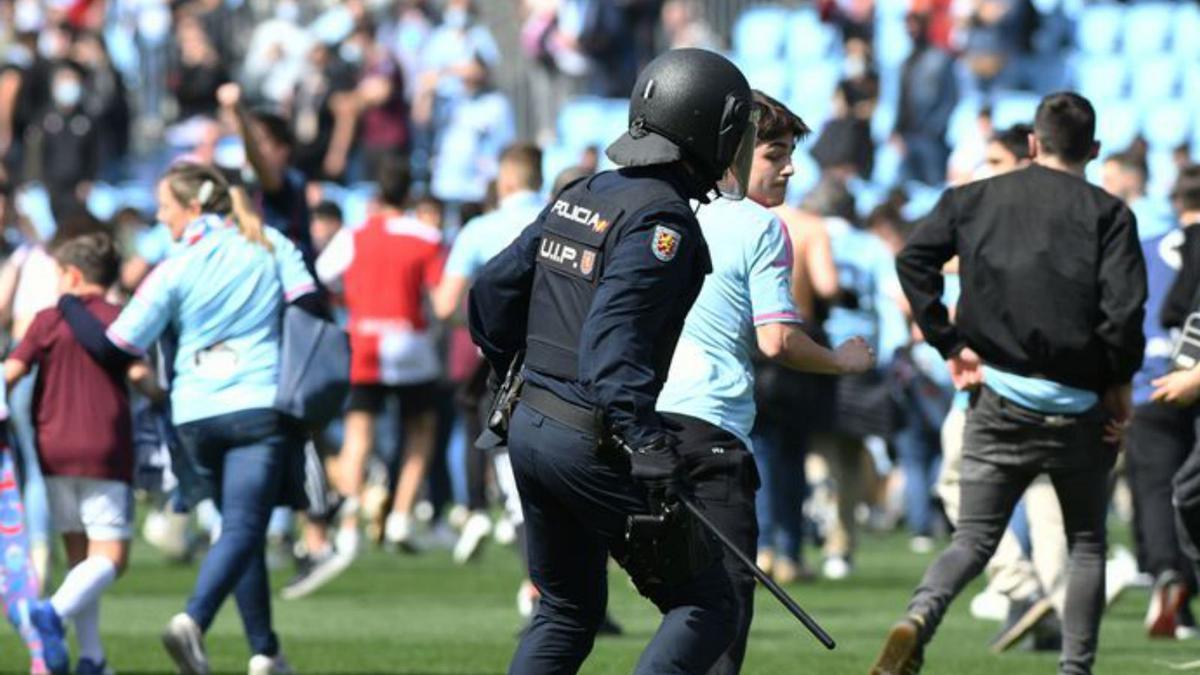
x,y
903,651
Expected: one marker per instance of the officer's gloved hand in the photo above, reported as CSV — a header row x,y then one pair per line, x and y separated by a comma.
x,y
653,465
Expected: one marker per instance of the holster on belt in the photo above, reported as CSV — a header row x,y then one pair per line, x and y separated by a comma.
x,y
495,434
666,548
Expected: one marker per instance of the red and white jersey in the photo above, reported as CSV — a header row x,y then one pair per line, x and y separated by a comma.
x,y
386,267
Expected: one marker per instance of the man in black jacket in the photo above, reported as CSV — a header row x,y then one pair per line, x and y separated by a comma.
x,y
1049,335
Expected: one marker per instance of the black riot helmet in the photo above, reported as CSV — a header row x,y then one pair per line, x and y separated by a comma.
x,y
692,104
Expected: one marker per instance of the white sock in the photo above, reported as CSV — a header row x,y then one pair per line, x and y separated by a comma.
x,y
83,585
87,632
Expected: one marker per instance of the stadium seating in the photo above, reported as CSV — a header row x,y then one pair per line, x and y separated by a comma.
x,y
1166,124
1185,38
1146,28
812,88
1155,78
770,76
1099,28
1116,124
1013,107
808,38
759,33
1101,77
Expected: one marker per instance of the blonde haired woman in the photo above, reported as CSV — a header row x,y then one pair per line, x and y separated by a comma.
x,y
223,293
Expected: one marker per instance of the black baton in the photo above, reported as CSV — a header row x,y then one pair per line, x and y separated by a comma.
x,y
780,594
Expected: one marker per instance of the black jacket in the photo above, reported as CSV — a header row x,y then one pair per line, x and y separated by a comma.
x,y
1053,280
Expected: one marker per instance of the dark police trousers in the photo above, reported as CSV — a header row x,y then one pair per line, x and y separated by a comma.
x,y
723,479
576,503
1187,503
1160,440
1005,447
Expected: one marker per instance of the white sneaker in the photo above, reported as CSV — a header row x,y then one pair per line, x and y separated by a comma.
x,y
469,544
505,533
527,597
346,542
1119,573
990,606
398,531
921,545
266,665
184,641
836,568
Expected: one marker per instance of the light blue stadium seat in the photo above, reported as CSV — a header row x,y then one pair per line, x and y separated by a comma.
x,y
138,195
1146,28
807,37
1101,77
1166,124
883,122
811,91
806,177
103,200
887,165
1155,78
1163,173
590,120
1013,107
1185,38
759,32
770,76
921,200
333,192
892,44
1117,123
357,202
1191,85
891,10
555,159
867,195
33,202
1099,28
963,120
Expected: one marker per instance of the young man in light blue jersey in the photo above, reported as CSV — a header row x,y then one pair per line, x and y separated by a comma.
x,y
746,303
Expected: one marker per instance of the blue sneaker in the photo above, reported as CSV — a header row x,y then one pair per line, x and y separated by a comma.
x,y
90,667
54,637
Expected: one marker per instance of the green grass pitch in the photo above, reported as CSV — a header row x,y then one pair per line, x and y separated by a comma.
x,y
421,614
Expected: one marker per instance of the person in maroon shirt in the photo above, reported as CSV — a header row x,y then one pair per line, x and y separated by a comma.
x,y
85,449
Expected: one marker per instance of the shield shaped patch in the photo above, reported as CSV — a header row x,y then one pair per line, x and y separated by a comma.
x,y
665,243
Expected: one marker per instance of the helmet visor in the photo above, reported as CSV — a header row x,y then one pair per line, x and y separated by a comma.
x,y
735,183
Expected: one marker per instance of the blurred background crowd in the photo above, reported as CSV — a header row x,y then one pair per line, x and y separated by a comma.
x,y
97,97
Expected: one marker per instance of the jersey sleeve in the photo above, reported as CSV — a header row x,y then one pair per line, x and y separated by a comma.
x,y
32,348
333,262
293,273
149,311
770,276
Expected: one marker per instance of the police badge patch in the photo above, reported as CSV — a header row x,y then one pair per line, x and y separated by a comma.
x,y
665,243
587,263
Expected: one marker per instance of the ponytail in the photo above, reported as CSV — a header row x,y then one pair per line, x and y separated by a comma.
x,y
248,222
202,184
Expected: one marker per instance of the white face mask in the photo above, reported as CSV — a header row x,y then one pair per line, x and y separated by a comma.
x,y
856,66
287,11
456,18
67,93
351,53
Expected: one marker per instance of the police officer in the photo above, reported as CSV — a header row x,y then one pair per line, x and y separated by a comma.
x,y
595,293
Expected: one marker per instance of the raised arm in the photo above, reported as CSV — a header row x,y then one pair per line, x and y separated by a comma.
x,y
229,95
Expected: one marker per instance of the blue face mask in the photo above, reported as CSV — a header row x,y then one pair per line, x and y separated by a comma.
x,y
456,18
67,93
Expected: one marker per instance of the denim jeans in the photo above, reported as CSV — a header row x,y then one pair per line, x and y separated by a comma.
x,y
243,456
919,450
780,501
1005,448
33,484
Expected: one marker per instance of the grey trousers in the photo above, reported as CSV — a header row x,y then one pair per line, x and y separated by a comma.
x,y
1005,448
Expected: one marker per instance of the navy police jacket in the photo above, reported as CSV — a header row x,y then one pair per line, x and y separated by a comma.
x,y
596,291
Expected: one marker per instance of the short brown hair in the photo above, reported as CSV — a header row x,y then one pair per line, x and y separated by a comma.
x,y
526,160
1186,192
776,121
94,254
